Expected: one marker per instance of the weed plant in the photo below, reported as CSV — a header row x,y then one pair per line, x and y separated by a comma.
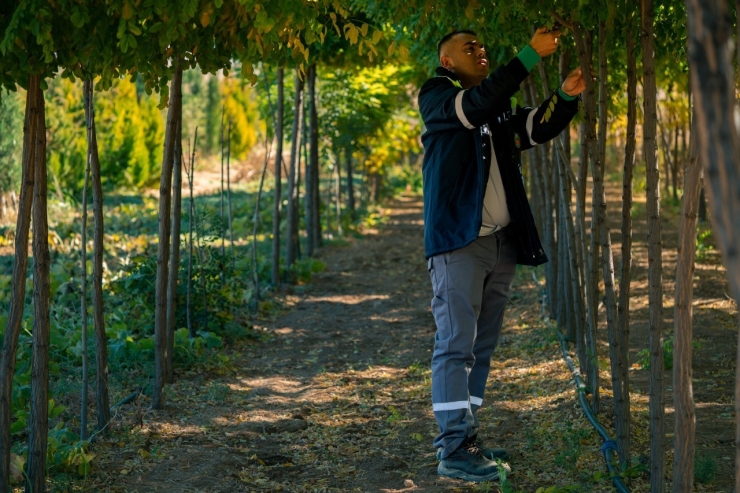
x,y
643,356
704,243
705,468
571,448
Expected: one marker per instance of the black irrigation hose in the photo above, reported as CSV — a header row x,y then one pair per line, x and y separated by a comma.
x,y
130,398
609,446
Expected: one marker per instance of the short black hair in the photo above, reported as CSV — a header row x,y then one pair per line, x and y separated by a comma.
x,y
449,36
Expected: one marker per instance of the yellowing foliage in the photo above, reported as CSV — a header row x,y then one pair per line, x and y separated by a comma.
x,y
241,110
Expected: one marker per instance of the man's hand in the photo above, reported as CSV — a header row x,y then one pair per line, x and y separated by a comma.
x,y
574,84
545,42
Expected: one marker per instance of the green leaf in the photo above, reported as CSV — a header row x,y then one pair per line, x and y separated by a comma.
x,y
127,11
55,410
18,426
84,469
77,19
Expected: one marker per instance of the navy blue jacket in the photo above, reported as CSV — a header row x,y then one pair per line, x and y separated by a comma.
x,y
457,155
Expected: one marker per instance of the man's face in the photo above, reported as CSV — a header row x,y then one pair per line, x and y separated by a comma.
x,y
465,56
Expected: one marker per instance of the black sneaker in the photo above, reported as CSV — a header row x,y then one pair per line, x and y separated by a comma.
x,y
468,463
494,454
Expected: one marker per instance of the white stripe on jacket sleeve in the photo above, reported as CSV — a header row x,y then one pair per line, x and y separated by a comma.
x,y
459,110
530,126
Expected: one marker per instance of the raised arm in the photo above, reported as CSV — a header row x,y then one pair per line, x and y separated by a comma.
x,y
445,105
545,122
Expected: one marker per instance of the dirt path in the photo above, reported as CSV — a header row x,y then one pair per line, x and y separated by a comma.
x,y
337,396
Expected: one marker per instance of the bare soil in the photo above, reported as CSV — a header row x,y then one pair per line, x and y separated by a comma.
x,y
336,394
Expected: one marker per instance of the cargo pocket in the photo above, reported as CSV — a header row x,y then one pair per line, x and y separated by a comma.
x,y
440,308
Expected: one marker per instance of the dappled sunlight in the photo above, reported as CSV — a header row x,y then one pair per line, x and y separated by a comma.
x,y
347,299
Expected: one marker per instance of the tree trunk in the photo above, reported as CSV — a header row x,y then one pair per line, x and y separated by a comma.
x,y
277,193
574,255
291,251
377,185
301,152
590,363
255,229
163,252
221,193
563,267
191,219
174,270
338,186
593,266
328,208
623,440
549,232
550,211
667,158
737,42
718,143
39,419
674,170
315,230
683,397
667,165
228,199
584,291
310,204
572,287
607,260
201,255
590,152
31,128
564,301
101,339
535,188
593,148
655,251
83,281
684,150
583,165
350,182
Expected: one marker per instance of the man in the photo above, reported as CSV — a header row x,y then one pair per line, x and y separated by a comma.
x,y
478,224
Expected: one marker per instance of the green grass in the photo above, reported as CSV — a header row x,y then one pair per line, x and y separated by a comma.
x,y
705,467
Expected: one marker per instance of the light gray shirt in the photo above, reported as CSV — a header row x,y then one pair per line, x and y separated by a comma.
x,y
495,211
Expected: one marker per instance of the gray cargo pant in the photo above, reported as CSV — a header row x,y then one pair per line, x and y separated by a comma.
x,y
471,288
